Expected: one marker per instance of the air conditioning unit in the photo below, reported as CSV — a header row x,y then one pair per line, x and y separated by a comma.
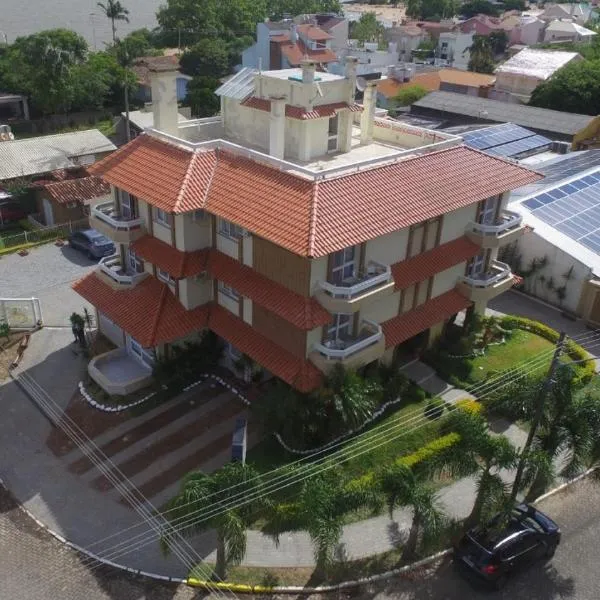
x,y
561,147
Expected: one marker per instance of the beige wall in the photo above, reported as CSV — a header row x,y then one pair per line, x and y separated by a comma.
x,y
247,310
227,245
192,234
388,249
300,94
247,250
229,303
446,280
455,222
516,83
313,337
162,232
246,124
194,292
318,272
382,309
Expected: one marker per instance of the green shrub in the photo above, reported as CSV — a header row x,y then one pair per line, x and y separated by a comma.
x,y
434,409
414,393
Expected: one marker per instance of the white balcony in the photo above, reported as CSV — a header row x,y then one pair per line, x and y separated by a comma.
x,y
119,373
347,296
112,271
507,228
106,219
484,286
353,352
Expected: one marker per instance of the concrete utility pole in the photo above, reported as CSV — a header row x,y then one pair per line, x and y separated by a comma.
x,y
537,417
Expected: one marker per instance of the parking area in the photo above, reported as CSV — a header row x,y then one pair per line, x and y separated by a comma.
x,y
47,273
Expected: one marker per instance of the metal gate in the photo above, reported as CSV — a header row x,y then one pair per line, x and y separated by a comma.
x,y
21,313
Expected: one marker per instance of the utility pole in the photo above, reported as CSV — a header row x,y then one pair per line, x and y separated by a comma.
x,y
537,417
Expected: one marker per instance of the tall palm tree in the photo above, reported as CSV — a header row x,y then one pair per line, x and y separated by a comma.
x,y
403,487
200,492
114,11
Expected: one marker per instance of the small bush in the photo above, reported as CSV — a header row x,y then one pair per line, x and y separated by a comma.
x,y
434,409
414,394
469,405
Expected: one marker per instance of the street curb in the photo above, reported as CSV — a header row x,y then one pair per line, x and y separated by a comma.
x,y
87,553
565,485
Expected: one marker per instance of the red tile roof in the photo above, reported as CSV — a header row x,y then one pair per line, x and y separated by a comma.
x,y
313,32
142,66
300,373
77,190
175,262
309,218
149,312
304,313
296,53
427,264
403,327
297,112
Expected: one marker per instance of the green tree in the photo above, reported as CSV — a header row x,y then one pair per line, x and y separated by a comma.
x,y
409,94
403,487
278,8
481,58
114,11
207,58
367,28
141,42
201,492
498,41
413,9
514,5
201,96
574,88
478,7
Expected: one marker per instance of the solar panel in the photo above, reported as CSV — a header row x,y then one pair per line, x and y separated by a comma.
x,y
508,140
573,209
240,86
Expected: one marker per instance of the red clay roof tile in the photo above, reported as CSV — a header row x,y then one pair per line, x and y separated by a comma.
x,y
309,218
297,112
403,327
304,313
149,312
313,32
427,264
77,190
296,53
301,374
175,262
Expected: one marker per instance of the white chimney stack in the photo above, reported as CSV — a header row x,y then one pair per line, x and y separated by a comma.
x,y
308,71
277,127
368,114
163,80
350,71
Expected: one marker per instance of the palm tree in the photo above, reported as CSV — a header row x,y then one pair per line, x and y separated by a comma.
x,y
114,11
403,487
481,55
413,9
200,492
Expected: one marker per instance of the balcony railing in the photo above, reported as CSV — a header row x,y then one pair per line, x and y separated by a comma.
x,y
508,220
375,274
497,272
370,333
112,266
107,213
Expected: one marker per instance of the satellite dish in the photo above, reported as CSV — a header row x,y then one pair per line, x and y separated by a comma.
x,y
361,84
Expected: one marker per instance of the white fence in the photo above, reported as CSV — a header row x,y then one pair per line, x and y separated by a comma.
x,y
20,313
47,234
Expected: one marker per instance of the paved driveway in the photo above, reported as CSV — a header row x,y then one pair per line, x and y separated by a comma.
x,y
46,273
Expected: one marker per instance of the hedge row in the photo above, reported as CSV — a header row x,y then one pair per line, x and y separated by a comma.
x,y
584,370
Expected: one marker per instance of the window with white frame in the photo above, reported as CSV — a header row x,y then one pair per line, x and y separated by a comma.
x,y
164,276
343,265
340,328
135,263
229,291
332,138
230,230
162,217
145,355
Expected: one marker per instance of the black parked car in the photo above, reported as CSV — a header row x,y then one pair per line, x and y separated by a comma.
x,y
507,544
93,243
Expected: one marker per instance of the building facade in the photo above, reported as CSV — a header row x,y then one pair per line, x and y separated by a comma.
x,y
298,227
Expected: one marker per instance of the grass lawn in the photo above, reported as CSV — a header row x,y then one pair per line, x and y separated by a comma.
x,y
521,347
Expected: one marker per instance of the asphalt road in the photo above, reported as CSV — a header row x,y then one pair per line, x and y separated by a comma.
x,y
35,565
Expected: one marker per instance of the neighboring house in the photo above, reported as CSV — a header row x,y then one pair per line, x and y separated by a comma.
x,y
459,109
34,157
370,58
522,73
453,47
13,106
589,137
141,67
528,31
407,39
388,16
451,80
284,44
579,13
481,25
69,197
563,210
140,120
304,232
567,31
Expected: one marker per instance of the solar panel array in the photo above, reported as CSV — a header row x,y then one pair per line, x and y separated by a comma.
x,y
507,140
573,209
568,166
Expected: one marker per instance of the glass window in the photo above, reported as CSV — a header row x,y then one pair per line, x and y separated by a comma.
x,y
344,265
164,276
162,217
233,352
228,291
230,230
341,328
146,355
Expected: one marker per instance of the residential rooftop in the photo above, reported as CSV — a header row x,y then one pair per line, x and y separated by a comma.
x,y
536,62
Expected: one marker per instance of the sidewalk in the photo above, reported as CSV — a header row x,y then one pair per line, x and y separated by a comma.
x,y
69,505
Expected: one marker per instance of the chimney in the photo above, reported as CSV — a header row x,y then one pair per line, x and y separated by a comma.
x,y
308,71
368,114
293,33
163,80
351,64
277,127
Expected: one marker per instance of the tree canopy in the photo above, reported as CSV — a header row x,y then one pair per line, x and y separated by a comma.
x,y
481,55
367,28
431,10
478,7
406,96
574,88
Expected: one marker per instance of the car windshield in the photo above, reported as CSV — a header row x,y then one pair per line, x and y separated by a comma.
x,y
492,534
98,239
